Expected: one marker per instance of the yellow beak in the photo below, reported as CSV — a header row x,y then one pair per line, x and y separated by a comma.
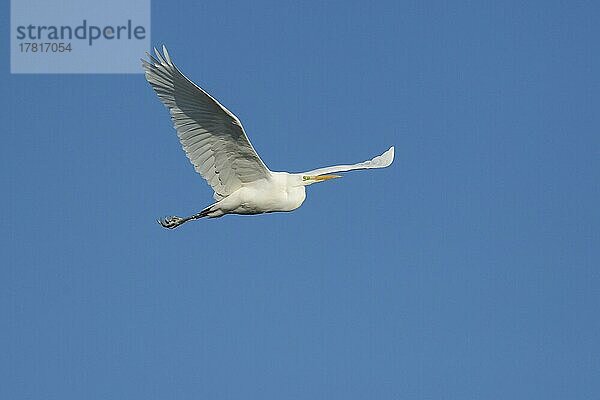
x,y
321,178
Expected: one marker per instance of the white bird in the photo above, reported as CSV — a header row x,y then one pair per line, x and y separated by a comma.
x,y
216,144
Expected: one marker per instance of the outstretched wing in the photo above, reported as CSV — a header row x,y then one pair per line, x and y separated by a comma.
x,y
381,161
211,136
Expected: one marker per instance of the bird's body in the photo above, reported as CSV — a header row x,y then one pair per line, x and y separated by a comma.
x,y
282,192
215,142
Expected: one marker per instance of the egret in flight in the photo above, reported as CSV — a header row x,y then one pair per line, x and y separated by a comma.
x,y
216,144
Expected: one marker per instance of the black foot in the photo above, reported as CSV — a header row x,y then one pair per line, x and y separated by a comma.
x,y
171,222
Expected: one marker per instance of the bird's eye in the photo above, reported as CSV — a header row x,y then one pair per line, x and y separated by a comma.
x,y
305,178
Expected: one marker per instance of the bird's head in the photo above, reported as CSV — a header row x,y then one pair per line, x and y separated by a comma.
x,y
310,179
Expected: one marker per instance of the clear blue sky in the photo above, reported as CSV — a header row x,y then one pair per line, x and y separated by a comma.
x,y
469,269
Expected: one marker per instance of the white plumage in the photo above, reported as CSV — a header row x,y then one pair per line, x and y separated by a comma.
x,y
215,142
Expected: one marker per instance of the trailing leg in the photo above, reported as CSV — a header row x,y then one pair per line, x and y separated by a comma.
x,y
174,221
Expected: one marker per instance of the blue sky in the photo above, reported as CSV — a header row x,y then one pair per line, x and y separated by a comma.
x,y
466,270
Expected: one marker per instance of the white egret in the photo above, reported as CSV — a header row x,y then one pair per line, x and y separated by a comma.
x,y
216,144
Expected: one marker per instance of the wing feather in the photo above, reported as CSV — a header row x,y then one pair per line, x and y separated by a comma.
x,y
381,161
211,136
